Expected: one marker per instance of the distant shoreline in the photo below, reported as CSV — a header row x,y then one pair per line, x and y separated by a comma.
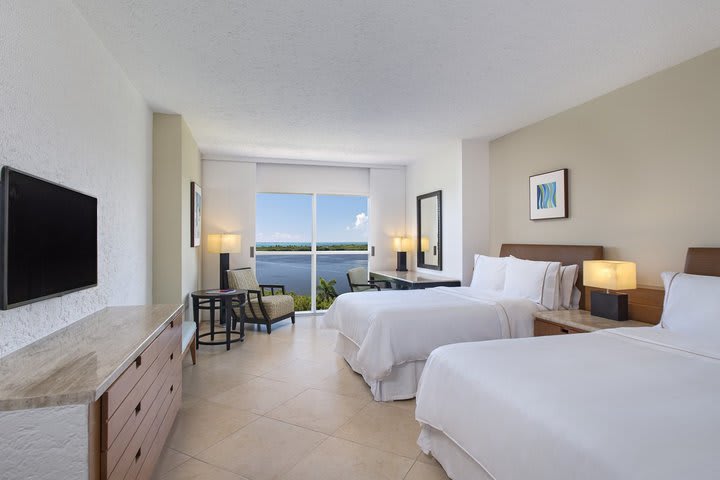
x,y
305,246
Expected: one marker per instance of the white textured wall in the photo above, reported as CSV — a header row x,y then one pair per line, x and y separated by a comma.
x,y
44,443
439,170
69,114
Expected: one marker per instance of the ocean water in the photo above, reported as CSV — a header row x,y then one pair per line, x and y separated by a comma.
x,y
294,271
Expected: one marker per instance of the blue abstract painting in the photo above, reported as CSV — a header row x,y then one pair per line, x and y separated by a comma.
x,y
546,195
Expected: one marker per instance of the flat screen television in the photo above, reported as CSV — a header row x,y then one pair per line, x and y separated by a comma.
x,y
48,242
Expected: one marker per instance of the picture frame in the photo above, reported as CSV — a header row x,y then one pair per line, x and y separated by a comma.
x,y
548,195
195,214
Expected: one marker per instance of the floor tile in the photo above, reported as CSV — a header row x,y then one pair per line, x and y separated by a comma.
x,y
338,459
318,410
384,427
264,449
345,382
304,372
197,470
169,459
428,459
206,381
201,423
259,395
423,471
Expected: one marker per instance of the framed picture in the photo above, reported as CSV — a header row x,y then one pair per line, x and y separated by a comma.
x,y
195,214
548,195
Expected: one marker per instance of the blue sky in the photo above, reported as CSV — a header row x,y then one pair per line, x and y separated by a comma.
x,y
288,218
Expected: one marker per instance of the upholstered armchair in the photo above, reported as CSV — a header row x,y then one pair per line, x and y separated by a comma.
x,y
358,280
261,308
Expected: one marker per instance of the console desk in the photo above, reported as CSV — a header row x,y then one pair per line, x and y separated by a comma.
x,y
412,280
96,399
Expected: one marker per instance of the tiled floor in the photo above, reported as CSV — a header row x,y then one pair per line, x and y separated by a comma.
x,y
285,406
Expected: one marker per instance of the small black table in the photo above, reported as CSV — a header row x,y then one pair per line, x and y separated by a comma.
x,y
224,300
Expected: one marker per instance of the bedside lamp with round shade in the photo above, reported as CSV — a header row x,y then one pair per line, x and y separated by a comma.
x,y
609,275
224,244
401,245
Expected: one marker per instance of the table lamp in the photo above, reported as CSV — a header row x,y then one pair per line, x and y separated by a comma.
x,y
224,244
401,249
610,275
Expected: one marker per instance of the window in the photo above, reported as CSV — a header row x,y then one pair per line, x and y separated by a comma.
x,y
309,242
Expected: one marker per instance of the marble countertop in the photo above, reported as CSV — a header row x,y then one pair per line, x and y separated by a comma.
x,y
413,276
77,364
582,320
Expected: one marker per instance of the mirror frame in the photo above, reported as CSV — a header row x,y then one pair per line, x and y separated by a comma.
x,y
437,194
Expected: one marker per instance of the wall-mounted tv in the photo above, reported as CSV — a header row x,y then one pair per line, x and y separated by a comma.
x,y
49,239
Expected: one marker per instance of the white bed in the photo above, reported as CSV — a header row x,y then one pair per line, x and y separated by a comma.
x,y
622,403
387,336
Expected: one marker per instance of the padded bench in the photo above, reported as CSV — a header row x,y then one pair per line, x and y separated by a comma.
x,y
188,340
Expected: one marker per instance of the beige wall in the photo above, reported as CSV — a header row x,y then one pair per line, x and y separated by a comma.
x,y
644,166
176,163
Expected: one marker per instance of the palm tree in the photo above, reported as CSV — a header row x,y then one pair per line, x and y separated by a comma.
x,y
326,289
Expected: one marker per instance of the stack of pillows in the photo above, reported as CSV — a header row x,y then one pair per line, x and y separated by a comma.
x,y
546,283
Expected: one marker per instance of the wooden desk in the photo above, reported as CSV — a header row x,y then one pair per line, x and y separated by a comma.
x,y
413,280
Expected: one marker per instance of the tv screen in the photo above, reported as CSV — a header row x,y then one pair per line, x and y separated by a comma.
x,y
49,239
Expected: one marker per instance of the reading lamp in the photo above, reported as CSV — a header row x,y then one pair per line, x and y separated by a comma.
x,y
424,248
401,249
610,275
224,244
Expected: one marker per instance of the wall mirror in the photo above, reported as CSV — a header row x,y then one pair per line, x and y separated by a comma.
x,y
429,230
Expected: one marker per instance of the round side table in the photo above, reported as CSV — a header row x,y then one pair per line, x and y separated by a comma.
x,y
224,300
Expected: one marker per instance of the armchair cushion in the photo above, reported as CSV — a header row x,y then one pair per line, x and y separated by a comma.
x,y
242,279
275,305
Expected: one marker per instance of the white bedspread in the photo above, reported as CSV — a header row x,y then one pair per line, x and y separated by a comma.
x,y
394,327
638,403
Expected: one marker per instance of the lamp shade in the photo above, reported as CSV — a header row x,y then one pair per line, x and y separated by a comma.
x,y
400,244
610,275
224,243
424,244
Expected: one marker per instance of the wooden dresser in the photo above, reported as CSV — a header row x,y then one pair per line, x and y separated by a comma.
x,y
125,365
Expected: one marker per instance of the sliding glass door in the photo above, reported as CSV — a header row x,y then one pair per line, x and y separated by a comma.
x,y
308,242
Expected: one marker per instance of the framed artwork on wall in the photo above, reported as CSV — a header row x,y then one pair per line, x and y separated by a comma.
x,y
195,214
548,195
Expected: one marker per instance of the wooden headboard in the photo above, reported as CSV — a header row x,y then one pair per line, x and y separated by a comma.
x,y
703,261
565,254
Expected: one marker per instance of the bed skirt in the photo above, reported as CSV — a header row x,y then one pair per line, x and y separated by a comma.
x,y
402,382
457,464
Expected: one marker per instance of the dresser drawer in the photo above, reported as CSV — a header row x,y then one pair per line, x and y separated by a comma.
x,y
544,328
120,389
120,429
134,454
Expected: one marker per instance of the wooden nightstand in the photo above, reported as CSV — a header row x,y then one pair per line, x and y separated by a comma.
x,y
562,322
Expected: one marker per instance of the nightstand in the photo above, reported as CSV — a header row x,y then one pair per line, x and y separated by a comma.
x,y
562,322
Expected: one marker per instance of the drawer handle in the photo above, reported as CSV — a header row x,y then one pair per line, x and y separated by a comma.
x,y
172,355
172,324
138,408
137,455
172,387
565,330
138,361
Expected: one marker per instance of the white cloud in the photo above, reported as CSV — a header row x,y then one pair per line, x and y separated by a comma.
x,y
361,220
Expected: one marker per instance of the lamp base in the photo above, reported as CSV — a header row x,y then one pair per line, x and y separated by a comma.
x,y
401,262
224,267
609,305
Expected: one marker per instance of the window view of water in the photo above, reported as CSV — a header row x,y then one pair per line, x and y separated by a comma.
x,y
293,271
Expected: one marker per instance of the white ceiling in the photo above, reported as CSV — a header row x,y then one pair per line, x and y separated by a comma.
x,y
386,80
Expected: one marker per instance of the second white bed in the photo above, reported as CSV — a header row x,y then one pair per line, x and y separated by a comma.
x,y
387,336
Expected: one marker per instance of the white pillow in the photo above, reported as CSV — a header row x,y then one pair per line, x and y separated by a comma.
x,y
489,273
536,281
568,277
692,304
